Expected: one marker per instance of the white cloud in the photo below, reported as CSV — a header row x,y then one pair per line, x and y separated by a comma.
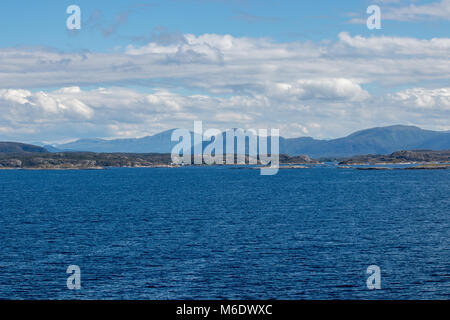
x,y
306,88
395,10
16,96
393,46
321,89
45,104
439,9
222,63
327,108
423,98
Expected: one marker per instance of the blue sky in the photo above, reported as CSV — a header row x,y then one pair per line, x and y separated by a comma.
x,y
136,68
42,23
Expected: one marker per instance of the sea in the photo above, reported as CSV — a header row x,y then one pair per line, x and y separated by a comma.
x,y
221,233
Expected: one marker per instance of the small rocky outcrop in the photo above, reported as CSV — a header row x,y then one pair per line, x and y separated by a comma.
x,y
10,163
406,156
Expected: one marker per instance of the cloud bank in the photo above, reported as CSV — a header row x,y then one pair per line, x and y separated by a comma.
x,y
321,89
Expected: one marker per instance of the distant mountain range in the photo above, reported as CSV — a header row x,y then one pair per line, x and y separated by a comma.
x,y
383,140
14,147
159,143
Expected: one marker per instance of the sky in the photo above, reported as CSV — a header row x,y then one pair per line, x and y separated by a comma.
x,y
308,68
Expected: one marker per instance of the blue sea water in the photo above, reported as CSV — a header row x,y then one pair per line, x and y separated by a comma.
x,y
217,233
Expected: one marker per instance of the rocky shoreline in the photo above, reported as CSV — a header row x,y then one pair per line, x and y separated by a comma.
x,y
242,166
420,167
401,157
99,161
416,160
421,160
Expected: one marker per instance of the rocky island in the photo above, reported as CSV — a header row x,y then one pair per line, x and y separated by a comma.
x,y
81,160
401,157
22,156
421,159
